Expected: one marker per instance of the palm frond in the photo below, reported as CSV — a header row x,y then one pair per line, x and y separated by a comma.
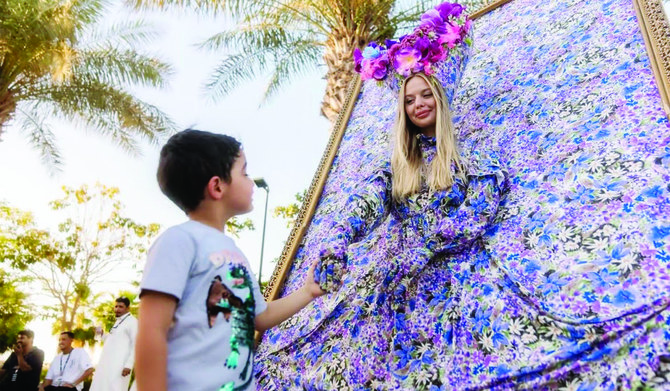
x,y
112,111
406,19
55,61
299,14
33,124
257,35
130,33
298,60
114,66
234,8
234,70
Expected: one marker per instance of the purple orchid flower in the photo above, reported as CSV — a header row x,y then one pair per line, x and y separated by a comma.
x,y
433,19
452,36
449,10
358,59
436,52
422,44
376,68
407,60
389,42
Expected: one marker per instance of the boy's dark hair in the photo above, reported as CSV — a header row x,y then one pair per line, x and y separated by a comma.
x,y
189,160
123,300
27,333
68,333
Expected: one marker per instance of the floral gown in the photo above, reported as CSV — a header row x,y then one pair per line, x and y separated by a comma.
x,y
423,306
391,249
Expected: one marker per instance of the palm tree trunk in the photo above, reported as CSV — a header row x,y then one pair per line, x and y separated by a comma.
x,y
7,108
340,45
339,60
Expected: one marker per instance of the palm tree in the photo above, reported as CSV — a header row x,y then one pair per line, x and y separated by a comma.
x,y
54,61
291,37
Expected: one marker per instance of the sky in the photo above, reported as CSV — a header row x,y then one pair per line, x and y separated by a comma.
x,y
283,140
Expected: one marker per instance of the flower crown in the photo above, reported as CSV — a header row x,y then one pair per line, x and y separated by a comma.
x,y
442,28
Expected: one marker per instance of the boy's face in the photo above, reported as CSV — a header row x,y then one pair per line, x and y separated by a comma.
x,y
240,188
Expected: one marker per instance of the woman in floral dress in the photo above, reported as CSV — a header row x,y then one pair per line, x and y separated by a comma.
x,y
429,202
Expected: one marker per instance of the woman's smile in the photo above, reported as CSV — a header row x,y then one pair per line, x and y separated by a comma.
x,y
423,113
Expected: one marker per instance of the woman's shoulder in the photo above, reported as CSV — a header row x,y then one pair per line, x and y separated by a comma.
x,y
483,163
381,169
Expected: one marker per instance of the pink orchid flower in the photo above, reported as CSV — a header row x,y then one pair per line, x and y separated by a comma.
x,y
452,36
406,60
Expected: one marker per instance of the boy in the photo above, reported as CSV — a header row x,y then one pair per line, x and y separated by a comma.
x,y
200,302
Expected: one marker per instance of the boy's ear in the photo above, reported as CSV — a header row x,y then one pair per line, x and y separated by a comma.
x,y
216,188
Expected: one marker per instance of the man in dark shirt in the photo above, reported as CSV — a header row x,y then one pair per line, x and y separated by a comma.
x,y
21,371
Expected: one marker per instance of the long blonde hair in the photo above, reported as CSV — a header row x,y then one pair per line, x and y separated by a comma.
x,y
406,159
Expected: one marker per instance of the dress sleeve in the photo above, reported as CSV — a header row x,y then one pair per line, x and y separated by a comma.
x,y
364,210
487,183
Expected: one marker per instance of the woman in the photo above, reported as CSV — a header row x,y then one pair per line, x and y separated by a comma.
x,y
425,202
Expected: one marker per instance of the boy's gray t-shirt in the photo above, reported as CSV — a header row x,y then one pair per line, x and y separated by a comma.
x,y
210,343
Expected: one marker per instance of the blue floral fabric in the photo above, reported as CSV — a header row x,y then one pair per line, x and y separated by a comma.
x,y
548,267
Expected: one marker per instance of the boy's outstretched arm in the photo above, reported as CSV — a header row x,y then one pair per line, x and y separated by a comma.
x,y
282,309
155,317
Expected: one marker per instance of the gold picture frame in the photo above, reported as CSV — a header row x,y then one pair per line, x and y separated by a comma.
x,y
654,27
655,30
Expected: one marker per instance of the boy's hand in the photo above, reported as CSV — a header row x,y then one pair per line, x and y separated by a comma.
x,y
310,285
282,309
329,273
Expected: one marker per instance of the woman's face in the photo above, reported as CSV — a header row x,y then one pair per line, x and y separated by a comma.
x,y
420,105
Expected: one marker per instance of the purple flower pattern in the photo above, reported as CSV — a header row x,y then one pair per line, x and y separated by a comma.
x,y
547,269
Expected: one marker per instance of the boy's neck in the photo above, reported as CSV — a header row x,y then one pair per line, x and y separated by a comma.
x,y
210,214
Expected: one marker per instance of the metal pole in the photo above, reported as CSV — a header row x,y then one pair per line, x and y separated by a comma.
x,y
265,217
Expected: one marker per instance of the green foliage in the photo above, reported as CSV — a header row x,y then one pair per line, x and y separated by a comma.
x,y
14,313
234,226
23,244
264,285
290,211
56,61
93,238
85,334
